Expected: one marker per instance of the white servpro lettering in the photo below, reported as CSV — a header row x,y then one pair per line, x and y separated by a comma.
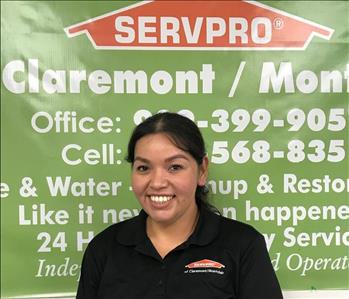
x,y
128,33
162,30
202,265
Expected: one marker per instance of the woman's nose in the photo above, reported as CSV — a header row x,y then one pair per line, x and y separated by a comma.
x,y
158,179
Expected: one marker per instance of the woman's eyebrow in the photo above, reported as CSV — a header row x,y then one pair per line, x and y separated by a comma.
x,y
169,159
141,159
179,156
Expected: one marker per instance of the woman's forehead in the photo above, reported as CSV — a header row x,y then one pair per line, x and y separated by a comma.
x,y
158,138
159,145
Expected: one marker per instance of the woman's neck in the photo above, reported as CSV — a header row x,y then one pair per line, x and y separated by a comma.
x,y
167,236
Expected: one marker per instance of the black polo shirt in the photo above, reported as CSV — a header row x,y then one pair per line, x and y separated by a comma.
x,y
222,259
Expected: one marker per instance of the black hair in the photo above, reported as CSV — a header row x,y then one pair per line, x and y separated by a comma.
x,y
184,134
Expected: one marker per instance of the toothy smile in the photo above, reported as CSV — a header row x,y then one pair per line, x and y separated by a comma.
x,y
160,198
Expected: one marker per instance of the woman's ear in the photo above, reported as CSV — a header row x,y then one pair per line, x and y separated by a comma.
x,y
203,172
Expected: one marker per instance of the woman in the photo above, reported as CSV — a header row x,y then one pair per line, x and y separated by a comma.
x,y
177,247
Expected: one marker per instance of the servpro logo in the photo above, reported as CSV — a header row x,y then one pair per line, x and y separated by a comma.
x,y
203,25
205,264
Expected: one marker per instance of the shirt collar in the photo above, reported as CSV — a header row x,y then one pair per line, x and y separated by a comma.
x,y
133,231
206,229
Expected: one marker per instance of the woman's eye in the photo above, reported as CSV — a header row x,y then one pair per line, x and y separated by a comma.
x,y
141,168
175,167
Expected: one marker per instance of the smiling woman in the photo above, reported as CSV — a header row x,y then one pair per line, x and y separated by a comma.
x,y
178,246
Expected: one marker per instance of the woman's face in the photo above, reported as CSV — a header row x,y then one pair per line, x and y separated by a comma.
x,y
164,179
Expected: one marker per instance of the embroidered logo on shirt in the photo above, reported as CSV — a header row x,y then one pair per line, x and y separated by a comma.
x,y
205,266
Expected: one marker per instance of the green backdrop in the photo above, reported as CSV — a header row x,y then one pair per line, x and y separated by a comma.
x,y
277,145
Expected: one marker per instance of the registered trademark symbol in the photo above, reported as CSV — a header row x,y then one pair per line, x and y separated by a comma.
x,y
278,23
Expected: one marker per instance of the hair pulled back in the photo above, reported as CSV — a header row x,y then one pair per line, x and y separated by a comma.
x,y
183,133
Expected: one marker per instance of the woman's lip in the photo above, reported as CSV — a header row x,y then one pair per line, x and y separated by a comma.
x,y
160,195
160,198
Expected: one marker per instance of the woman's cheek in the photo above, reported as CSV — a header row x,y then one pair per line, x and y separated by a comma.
x,y
138,186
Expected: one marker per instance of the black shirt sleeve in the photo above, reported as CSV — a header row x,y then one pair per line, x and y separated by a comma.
x,y
257,276
90,276
92,268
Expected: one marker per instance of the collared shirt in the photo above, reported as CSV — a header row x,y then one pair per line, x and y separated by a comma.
x,y
222,259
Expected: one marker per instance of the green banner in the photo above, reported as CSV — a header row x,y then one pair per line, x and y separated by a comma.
x,y
266,82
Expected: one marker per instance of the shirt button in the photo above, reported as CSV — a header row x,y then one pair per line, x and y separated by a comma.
x,y
163,267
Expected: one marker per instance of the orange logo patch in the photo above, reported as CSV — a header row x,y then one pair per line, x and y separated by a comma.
x,y
205,263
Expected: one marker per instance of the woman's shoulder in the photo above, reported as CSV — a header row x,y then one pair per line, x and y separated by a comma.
x,y
111,235
235,232
237,226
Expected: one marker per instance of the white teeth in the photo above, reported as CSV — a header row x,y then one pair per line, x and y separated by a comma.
x,y
160,199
